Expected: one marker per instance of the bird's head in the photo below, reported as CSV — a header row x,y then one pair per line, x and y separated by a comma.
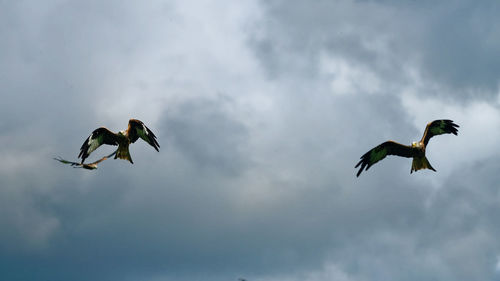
x,y
121,133
416,144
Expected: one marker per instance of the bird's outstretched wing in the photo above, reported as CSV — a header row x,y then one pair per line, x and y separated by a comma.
x,y
380,152
137,129
97,138
88,166
439,127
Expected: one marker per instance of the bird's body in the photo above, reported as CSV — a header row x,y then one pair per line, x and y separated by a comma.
x,y
123,143
419,160
136,129
416,150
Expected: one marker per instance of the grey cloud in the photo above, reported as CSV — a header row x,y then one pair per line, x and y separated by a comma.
x,y
174,211
401,231
201,130
258,182
452,43
457,42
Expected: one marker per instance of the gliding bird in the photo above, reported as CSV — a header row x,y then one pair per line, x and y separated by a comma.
x,y
416,150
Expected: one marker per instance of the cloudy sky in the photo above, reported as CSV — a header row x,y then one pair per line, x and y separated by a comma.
x,y
262,109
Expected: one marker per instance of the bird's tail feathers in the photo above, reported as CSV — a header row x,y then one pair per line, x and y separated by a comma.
x,y
123,153
420,163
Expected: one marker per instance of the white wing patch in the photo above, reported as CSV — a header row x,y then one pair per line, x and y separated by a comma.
x,y
143,133
93,144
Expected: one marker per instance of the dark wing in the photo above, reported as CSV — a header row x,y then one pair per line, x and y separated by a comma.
x,y
97,138
89,166
380,152
137,129
67,162
439,127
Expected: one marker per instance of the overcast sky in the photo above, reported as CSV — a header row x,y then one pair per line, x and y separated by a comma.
x,y
262,109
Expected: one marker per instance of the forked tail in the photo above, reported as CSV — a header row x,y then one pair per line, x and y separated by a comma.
x,y
420,163
123,153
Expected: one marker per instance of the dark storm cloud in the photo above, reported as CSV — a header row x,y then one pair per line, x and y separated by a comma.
x,y
202,131
452,42
257,182
174,217
441,239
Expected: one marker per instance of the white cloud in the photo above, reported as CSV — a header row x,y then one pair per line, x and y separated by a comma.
x,y
348,77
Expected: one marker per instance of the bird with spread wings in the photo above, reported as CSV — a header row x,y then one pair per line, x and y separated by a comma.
x,y
136,129
88,166
416,150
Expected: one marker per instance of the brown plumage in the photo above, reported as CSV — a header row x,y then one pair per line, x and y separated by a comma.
x,y
136,129
416,150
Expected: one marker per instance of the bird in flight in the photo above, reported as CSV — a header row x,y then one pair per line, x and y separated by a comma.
x,y
88,166
136,129
416,150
